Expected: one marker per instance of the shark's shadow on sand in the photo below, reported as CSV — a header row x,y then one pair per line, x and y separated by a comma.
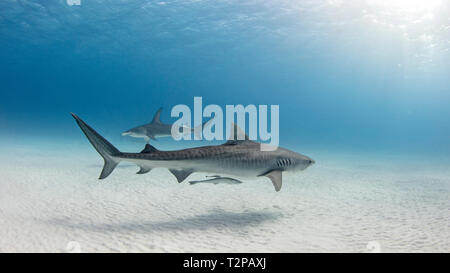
x,y
216,219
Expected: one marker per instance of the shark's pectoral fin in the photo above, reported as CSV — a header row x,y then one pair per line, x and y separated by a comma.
x,y
276,178
144,170
181,174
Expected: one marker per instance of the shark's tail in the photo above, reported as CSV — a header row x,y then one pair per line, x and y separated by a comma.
x,y
104,148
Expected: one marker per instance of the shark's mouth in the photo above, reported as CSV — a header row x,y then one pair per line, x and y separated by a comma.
x,y
126,133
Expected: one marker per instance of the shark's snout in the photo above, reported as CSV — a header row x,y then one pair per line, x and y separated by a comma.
x,y
308,162
126,133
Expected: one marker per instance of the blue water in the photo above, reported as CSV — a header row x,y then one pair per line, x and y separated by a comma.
x,y
363,88
353,76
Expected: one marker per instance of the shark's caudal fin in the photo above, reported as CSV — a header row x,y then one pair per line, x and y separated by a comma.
x,y
103,147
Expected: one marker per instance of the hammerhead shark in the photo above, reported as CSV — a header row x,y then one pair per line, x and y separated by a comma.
x,y
155,129
240,158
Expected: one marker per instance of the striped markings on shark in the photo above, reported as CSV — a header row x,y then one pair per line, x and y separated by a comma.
x,y
239,158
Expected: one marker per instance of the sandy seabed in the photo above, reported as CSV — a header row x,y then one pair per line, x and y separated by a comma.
x,y
53,202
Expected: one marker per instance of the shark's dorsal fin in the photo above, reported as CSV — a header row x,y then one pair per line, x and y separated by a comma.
x,y
180,174
144,170
157,116
148,149
237,135
276,178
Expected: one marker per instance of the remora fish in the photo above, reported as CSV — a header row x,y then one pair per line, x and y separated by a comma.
x,y
155,129
217,179
241,158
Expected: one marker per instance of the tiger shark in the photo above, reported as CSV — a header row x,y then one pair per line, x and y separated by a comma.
x,y
239,158
155,129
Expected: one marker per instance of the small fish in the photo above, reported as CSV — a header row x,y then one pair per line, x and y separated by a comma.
x,y
217,179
